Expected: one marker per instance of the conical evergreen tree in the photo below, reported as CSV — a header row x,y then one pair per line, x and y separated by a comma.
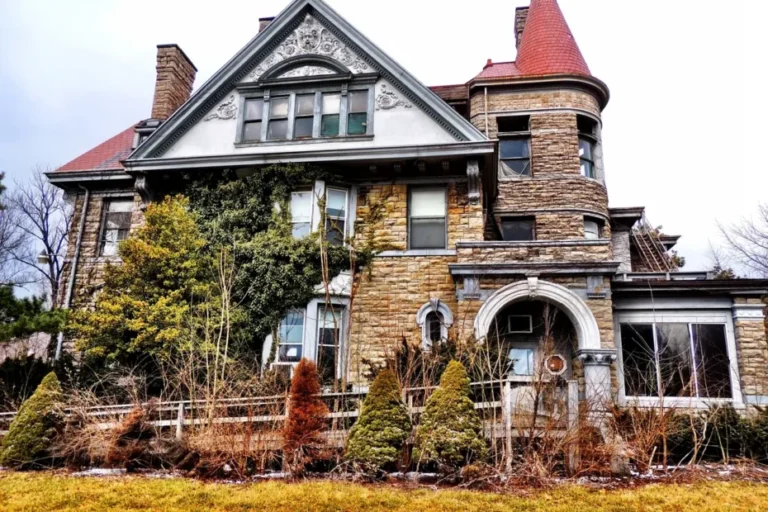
x,y
377,438
32,431
303,441
450,433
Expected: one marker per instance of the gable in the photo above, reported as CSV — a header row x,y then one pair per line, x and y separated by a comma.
x,y
310,42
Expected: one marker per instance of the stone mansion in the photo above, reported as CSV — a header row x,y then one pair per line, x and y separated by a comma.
x,y
495,206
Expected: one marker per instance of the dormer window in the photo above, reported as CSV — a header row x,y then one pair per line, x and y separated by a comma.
x,y
278,119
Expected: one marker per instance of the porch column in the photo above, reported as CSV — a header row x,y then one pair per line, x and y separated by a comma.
x,y
597,380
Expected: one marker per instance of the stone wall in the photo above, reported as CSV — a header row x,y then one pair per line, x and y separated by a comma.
x,y
752,350
515,252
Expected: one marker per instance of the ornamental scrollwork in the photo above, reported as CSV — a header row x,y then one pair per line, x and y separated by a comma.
x,y
387,100
311,38
226,111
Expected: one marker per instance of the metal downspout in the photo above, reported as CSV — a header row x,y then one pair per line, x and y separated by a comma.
x,y
73,268
485,94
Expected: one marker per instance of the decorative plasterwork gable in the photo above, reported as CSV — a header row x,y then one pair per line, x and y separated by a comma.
x,y
311,38
333,38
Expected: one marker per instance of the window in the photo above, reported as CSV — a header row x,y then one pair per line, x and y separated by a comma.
x,y
328,343
303,127
301,213
519,324
514,146
593,229
329,121
291,344
522,361
357,123
675,360
254,110
115,225
335,216
278,119
518,229
587,142
426,218
434,318
434,328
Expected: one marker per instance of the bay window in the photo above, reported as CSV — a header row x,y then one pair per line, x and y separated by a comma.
x,y
675,359
427,218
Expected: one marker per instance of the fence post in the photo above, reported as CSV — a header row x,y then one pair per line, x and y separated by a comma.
x,y
506,407
180,423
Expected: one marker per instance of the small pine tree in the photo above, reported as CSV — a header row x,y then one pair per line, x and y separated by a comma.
x,y
377,437
451,433
31,434
302,438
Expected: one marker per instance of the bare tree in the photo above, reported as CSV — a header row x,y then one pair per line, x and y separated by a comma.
x,y
41,220
11,242
747,242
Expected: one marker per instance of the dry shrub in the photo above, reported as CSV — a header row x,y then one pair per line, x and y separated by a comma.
x,y
303,441
130,445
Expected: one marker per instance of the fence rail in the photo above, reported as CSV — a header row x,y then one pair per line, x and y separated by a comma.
x,y
500,403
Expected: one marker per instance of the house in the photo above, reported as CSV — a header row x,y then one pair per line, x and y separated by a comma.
x,y
496,209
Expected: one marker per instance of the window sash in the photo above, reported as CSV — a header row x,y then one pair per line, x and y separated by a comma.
x,y
329,342
592,230
586,157
301,213
336,207
672,366
291,341
427,218
518,229
515,156
115,225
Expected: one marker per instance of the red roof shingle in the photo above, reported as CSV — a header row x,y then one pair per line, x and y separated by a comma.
x,y
106,156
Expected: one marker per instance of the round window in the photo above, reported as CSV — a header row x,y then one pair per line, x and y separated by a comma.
x,y
556,364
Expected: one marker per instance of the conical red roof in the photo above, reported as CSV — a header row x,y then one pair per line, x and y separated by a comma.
x,y
548,46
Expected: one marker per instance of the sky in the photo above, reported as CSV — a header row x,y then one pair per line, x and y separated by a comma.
x,y
684,133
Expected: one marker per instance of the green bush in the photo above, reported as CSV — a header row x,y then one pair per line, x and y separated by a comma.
x,y
451,433
377,438
32,431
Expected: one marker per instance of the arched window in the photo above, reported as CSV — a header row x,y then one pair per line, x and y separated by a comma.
x,y
434,318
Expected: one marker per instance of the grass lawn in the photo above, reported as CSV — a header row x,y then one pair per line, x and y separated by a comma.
x,y
45,492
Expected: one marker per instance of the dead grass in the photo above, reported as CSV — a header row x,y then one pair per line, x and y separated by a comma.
x,y
48,492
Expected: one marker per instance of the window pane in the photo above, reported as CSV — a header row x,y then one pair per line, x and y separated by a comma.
x,y
252,131
326,364
292,328
428,233
118,220
713,367
278,108
301,206
277,129
434,327
591,230
639,360
329,126
522,360
254,110
427,202
336,203
514,148
674,359
301,229
587,169
335,231
585,149
305,105
517,230
328,340
519,324
358,124
358,101
290,353
123,205
331,103
512,168
302,129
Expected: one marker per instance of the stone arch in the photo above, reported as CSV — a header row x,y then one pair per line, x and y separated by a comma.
x,y
573,306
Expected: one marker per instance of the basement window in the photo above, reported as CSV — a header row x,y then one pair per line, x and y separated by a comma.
x,y
514,146
518,229
587,142
115,225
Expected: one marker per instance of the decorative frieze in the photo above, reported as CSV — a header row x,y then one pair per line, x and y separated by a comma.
x,y
749,312
388,99
311,38
225,111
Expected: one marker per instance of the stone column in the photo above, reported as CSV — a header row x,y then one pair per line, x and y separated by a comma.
x,y
751,350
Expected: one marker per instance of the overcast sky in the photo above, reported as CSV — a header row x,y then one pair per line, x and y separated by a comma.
x,y
684,134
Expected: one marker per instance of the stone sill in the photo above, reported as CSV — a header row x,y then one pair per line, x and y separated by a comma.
x,y
417,252
500,244
302,142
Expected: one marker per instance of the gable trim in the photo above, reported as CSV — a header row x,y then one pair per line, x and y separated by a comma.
x,y
234,72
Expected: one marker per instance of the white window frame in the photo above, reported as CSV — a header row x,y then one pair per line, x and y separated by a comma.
x,y
107,201
278,362
446,321
509,324
688,317
311,208
318,191
527,345
410,217
346,210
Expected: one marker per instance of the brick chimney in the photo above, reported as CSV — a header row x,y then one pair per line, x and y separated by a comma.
x,y
521,16
264,23
175,78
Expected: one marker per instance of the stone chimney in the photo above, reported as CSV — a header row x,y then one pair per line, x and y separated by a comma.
x,y
521,16
175,78
264,23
